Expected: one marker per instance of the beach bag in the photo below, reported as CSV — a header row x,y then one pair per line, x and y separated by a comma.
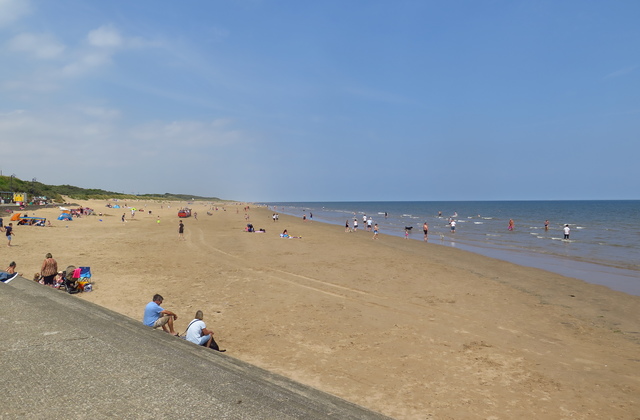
x,y
214,345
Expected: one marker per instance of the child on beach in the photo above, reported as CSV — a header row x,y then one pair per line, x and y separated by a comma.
x,y
285,234
8,231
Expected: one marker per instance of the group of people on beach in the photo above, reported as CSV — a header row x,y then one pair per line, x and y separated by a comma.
x,y
368,223
72,279
156,316
425,226
566,229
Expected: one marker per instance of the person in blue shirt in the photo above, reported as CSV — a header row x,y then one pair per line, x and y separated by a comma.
x,y
155,316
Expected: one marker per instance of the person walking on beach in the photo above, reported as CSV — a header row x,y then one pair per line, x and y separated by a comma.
x,y
567,232
425,229
8,231
369,223
453,226
375,231
355,224
346,226
49,269
155,316
123,218
181,231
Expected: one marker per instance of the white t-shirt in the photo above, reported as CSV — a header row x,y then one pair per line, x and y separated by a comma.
x,y
566,230
194,332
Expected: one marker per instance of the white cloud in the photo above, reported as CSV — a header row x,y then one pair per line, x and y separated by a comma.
x,y
96,137
95,52
621,72
101,113
102,44
11,10
38,45
30,84
188,133
85,62
105,36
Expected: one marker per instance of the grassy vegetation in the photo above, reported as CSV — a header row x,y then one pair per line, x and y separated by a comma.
x,y
56,192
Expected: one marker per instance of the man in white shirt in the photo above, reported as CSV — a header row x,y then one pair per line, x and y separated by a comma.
x,y
198,333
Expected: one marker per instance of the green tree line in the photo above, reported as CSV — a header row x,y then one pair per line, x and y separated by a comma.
x,y
55,192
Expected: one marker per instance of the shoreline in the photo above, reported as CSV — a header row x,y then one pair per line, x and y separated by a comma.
x,y
611,276
401,327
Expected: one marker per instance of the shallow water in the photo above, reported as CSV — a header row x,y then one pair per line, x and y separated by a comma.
x,y
603,248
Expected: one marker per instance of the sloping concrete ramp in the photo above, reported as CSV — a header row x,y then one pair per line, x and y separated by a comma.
x,y
63,357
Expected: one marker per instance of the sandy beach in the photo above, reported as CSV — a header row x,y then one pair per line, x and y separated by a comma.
x,y
410,329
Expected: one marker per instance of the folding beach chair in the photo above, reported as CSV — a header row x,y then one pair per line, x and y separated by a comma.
x,y
85,273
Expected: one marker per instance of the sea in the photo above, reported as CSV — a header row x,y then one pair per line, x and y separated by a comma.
x,y
603,247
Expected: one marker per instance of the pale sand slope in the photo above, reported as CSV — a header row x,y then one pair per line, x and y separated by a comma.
x,y
412,330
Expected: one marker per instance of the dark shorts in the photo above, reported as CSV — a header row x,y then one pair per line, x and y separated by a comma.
x,y
49,279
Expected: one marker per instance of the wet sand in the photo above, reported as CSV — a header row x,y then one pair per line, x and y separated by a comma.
x,y
410,329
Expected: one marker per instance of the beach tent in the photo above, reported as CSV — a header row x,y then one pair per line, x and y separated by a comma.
x,y
15,217
64,216
116,206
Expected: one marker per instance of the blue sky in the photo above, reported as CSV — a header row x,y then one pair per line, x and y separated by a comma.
x,y
331,100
